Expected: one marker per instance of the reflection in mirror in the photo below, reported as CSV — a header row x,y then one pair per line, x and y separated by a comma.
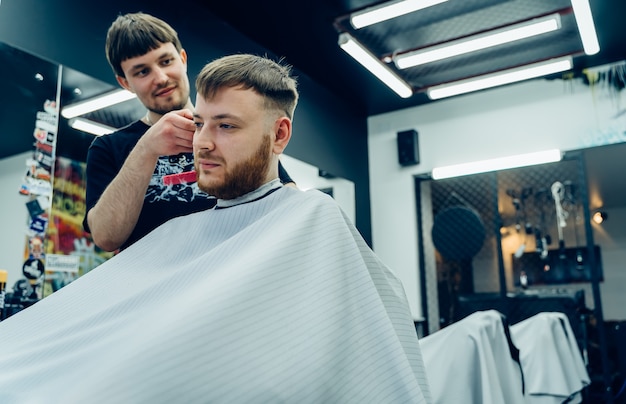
x,y
30,97
78,87
27,80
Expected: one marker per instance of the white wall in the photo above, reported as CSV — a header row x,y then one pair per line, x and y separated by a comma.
x,y
523,118
307,176
13,216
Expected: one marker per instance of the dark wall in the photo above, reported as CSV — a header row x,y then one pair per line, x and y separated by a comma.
x,y
328,132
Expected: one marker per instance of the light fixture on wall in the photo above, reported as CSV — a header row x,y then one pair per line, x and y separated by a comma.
x,y
89,126
516,32
375,66
96,103
387,11
599,217
502,163
500,78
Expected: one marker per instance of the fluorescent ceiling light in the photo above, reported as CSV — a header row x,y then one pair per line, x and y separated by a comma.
x,y
502,163
584,20
474,43
89,126
387,11
500,78
374,65
94,104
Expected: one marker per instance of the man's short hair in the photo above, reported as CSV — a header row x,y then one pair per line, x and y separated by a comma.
x,y
135,34
270,79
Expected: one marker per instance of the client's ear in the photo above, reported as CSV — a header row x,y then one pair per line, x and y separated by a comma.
x,y
282,134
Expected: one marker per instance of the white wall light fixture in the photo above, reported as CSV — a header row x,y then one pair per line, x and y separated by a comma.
x,y
478,42
500,78
89,126
502,163
374,65
586,27
387,11
94,104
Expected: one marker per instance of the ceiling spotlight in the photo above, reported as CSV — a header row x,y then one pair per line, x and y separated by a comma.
x,y
355,49
478,42
387,11
500,78
586,27
599,217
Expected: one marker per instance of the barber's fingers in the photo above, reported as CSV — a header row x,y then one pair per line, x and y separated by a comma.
x,y
171,134
186,113
181,119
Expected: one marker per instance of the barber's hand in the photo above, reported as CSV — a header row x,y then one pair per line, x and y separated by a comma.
x,y
170,135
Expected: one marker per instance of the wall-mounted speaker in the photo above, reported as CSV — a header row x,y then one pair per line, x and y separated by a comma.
x,y
408,148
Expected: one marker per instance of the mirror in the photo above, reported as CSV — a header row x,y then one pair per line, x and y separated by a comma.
x,y
28,81
31,81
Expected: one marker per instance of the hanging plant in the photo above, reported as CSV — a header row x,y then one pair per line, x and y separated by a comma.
x,y
613,76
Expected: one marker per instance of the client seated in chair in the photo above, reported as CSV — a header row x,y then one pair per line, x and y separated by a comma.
x,y
272,296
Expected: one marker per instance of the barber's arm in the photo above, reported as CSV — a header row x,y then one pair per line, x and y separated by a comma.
x,y
112,219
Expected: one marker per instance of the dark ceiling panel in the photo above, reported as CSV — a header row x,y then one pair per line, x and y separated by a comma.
x,y
455,20
307,37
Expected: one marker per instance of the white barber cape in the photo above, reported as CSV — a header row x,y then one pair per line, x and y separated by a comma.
x,y
274,300
473,361
553,365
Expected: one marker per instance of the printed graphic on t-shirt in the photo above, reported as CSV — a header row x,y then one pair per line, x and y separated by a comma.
x,y
186,192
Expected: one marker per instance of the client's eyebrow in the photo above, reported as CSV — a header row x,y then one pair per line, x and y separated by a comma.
x,y
220,116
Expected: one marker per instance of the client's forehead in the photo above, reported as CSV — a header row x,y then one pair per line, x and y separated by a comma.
x,y
230,102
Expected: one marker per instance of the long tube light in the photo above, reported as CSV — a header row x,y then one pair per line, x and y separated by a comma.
x,y
584,20
89,126
375,66
387,11
502,163
94,104
474,43
500,78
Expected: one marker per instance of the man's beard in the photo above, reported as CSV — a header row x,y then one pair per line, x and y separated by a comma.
x,y
244,177
162,110
170,105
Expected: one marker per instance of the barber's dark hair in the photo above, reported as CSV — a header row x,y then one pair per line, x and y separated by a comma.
x,y
135,34
270,79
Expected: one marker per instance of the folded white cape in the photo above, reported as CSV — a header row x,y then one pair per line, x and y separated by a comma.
x,y
277,300
551,360
473,361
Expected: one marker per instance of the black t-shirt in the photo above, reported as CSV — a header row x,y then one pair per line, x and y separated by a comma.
x,y
161,203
